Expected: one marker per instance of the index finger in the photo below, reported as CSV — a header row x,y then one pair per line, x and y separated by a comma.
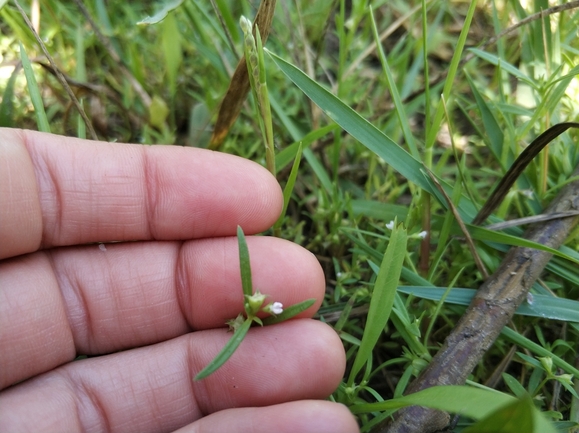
x,y
66,191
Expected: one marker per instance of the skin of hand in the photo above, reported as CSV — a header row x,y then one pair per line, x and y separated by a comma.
x,y
149,305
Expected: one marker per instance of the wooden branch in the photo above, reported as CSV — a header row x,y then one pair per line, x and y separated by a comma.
x,y
490,310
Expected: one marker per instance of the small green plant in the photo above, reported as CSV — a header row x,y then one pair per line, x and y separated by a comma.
x,y
253,305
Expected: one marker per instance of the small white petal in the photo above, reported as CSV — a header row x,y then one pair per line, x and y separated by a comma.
x,y
277,308
422,234
390,225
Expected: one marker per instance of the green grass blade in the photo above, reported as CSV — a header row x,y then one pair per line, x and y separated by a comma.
x,y
171,42
41,119
356,125
289,187
80,75
524,342
287,155
382,298
493,131
518,416
244,264
514,71
161,14
226,352
400,111
452,70
545,306
472,402
7,104
289,312
486,235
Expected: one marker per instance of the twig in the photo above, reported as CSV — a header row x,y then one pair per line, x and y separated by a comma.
x,y
490,310
531,220
57,73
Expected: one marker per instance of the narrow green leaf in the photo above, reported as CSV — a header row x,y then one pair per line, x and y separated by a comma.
x,y
289,187
382,298
493,59
482,234
162,13
379,210
80,75
41,119
452,70
400,111
289,312
226,352
546,306
356,125
492,129
287,155
367,134
7,104
475,403
244,264
524,342
171,43
518,416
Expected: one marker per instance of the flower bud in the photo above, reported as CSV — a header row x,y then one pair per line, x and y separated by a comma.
x,y
253,303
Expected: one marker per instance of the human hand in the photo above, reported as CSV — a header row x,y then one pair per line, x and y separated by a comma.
x,y
173,268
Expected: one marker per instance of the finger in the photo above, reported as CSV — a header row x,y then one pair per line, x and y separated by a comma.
x,y
309,416
84,300
69,191
151,389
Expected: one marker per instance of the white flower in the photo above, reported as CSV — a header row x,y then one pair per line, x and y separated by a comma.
x,y
422,234
274,308
390,225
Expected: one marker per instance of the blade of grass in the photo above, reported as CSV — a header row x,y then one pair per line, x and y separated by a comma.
x,y
524,342
472,402
7,104
546,306
284,157
483,234
34,91
244,264
289,187
362,130
382,298
80,75
493,132
400,112
161,14
452,70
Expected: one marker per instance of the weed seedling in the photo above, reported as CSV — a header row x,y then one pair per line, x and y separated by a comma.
x,y
253,304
